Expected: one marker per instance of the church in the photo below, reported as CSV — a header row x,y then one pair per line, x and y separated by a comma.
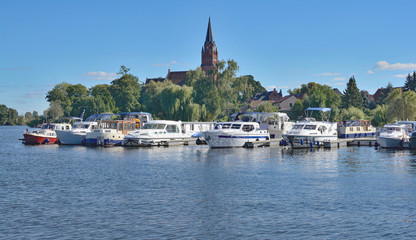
x,y
209,60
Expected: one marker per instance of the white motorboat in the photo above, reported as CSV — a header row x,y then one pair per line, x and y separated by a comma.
x,y
156,132
311,133
77,135
396,135
276,123
356,129
234,134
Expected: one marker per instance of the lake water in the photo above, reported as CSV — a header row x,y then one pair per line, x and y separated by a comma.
x,y
194,192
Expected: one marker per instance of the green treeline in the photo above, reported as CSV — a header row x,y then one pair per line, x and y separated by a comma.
x,y
201,98
206,99
392,103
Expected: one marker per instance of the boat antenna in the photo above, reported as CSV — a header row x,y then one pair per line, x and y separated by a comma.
x,y
82,114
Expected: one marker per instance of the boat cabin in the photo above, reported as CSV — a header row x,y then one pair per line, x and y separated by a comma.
x,y
122,126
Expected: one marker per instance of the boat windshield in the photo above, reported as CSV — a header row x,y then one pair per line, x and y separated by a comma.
x,y
81,126
298,126
391,129
154,126
310,127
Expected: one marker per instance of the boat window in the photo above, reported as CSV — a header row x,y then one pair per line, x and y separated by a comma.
x,y
226,125
172,129
120,126
310,127
125,126
298,126
235,126
154,126
248,128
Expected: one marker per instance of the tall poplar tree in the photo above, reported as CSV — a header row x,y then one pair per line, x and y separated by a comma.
x,y
352,96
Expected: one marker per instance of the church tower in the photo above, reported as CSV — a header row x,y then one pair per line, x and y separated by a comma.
x,y
209,55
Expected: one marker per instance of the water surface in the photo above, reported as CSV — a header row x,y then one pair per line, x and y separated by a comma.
x,y
194,192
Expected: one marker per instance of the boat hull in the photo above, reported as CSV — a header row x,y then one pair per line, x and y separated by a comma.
x,y
224,140
70,138
32,139
139,142
307,141
358,135
392,142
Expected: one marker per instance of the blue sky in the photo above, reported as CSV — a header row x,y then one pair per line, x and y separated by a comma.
x,y
281,43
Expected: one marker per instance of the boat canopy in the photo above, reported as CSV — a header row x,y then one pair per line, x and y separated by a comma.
x,y
319,109
101,116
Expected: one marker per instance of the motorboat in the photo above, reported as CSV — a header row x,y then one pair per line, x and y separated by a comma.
x,y
396,135
234,134
46,134
157,132
356,129
77,135
110,132
276,123
311,133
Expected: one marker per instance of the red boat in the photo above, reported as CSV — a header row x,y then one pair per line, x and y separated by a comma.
x,y
46,134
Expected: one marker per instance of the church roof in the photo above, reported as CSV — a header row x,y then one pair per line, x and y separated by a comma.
x,y
177,77
159,79
209,38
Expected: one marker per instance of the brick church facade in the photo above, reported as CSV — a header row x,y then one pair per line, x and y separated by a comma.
x,y
209,60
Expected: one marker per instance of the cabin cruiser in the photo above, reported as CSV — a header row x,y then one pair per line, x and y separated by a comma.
x,y
156,132
396,135
46,134
110,132
276,123
311,133
234,134
77,135
356,129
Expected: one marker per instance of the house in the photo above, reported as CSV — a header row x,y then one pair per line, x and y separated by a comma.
x,y
286,103
271,96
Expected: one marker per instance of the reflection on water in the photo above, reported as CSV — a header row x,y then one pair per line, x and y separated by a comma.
x,y
192,192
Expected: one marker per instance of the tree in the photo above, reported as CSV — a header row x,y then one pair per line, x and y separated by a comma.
x,y
267,107
296,111
247,87
126,91
352,113
54,111
379,116
401,105
352,96
59,95
410,83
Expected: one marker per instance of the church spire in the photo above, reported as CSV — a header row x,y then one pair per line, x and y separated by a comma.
x,y
209,38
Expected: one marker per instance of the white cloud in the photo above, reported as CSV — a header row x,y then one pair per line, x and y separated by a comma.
x,y
271,87
284,87
326,74
100,75
337,84
370,72
166,64
401,75
338,79
383,65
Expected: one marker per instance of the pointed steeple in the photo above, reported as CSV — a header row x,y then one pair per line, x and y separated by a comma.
x,y
209,38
